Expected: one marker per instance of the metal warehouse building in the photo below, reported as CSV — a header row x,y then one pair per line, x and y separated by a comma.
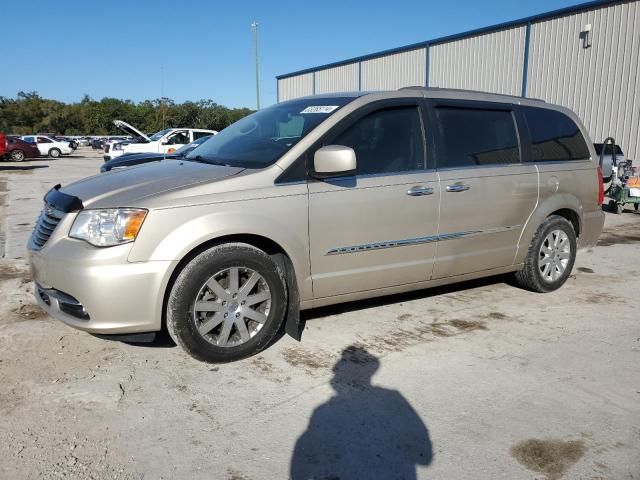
x,y
585,57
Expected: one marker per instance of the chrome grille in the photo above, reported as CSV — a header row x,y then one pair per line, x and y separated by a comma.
x,y
47,223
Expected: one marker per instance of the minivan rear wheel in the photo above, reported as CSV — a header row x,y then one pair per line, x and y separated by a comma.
x,y
227,303
551,256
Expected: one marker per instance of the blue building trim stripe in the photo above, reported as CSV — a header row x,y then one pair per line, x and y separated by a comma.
x,y
415,46
525,60
427,61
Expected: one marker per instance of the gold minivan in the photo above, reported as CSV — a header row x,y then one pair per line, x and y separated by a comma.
x,y
317,201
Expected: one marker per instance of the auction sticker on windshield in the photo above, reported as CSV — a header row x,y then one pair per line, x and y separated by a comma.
x,y
320,109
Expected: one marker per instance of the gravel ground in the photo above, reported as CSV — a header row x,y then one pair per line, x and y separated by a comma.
x,y
472,381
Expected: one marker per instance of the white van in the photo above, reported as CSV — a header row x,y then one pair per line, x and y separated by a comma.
x,y
164,141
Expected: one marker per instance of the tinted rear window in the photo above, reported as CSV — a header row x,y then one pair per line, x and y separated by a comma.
x,y
471,137
554,136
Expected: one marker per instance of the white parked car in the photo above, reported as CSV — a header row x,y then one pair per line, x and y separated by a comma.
x,y
49,146
164,141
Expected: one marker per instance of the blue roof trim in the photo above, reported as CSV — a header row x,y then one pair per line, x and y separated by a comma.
x,y
513,23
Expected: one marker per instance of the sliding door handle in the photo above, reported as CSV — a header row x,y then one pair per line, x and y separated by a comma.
x,y
458,187
419,190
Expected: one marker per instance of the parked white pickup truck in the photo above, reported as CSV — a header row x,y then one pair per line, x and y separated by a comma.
x,y
164,141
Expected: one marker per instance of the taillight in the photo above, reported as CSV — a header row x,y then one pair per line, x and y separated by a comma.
x,y
600,187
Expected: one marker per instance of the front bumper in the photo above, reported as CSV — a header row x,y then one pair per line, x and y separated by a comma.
x,y
112,295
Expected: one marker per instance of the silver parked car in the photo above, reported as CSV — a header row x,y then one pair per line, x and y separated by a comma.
x,y
317,201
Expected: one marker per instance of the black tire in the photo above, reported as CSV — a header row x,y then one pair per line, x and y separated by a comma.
x,y
530,277
17,155
181,321
612,206
636,206
55,153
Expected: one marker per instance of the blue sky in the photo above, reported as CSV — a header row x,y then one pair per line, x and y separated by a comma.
x,y
66,49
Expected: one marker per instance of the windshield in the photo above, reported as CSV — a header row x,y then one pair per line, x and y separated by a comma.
x,y
157,136
260,139
190,146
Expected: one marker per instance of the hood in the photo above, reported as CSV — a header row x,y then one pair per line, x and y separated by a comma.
x,y
123,188
129,130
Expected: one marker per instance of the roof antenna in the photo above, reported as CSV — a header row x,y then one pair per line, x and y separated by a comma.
x,y
164,153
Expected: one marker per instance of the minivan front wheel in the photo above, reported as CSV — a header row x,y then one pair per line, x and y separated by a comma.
x,y
551,256
227,303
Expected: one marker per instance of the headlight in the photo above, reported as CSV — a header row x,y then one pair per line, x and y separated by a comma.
x,y
108,227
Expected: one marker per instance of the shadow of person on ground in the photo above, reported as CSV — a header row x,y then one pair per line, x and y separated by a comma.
x,y
363,431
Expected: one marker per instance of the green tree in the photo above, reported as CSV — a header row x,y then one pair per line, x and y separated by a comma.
x,y
30,113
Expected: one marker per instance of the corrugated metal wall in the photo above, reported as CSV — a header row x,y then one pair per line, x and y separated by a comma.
x,y
601,83
294,87
491,62
395,71
338,79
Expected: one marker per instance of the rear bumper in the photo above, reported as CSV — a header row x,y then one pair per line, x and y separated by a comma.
x,y
592,225
96,289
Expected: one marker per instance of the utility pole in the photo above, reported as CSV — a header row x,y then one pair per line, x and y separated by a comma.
x,y
254,29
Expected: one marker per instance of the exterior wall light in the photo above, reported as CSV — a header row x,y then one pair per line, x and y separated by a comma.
x,y
585,35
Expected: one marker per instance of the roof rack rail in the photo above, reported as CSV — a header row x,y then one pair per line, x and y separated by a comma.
x,y
441,89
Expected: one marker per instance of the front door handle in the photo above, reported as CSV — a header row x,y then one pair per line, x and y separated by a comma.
x,y
419,190
458,187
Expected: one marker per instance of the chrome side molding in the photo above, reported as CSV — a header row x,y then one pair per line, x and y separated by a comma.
x,y
365,247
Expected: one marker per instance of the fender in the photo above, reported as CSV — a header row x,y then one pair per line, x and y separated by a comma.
x,y
561,201
174,233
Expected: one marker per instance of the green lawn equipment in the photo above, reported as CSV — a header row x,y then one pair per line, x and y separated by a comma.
x,y
624,187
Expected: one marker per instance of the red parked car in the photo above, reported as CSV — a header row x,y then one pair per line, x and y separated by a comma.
x,y
3,145
16,150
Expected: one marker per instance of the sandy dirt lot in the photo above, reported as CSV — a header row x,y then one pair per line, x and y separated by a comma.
x,y
479,380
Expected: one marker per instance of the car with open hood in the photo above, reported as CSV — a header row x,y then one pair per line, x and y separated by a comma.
x,y
133,159
317,201
164,141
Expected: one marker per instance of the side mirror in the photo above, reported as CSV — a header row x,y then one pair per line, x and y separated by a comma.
x,y
333,161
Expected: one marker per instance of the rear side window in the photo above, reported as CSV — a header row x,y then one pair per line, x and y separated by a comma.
x,y
474,137
386,141
554,136
197,135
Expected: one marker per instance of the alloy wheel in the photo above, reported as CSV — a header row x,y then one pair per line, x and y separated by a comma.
x,y
554,255
232,306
